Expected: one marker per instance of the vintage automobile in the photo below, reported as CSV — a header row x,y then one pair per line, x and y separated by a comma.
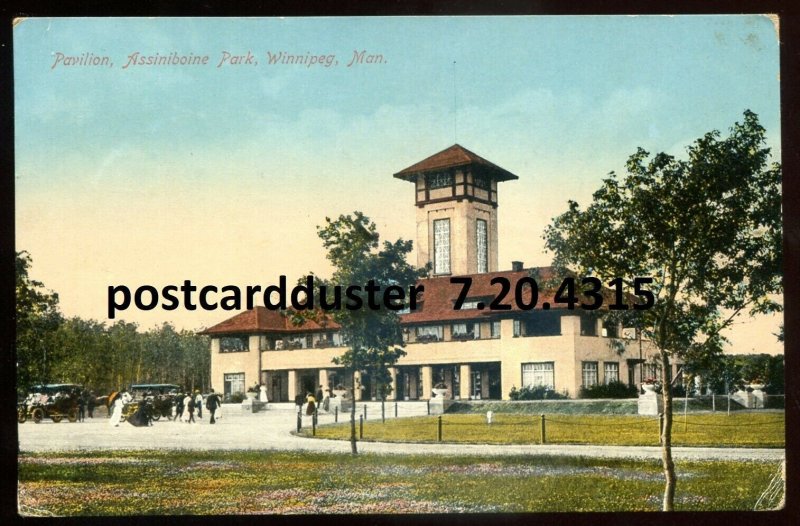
x,y
159,397
54,401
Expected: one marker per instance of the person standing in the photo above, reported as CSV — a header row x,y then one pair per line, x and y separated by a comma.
x,y
178,408
198,403
312,404
81,407
326,402
212,403
90,402
319,394
188,402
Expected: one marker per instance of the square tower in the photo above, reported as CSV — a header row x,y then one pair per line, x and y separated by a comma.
x,y
456,198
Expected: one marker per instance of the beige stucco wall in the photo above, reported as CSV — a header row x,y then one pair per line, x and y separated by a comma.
x,y
234,362
463,241
566,351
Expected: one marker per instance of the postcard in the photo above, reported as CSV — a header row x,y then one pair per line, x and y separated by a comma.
x,y
398,265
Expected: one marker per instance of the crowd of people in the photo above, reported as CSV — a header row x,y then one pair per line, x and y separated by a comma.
x,y
314,401
182,407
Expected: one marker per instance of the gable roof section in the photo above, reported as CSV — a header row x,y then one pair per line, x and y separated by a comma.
x,y
435,304
453,156
263,320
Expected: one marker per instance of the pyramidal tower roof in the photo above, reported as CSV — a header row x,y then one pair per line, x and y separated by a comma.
x,y
454,156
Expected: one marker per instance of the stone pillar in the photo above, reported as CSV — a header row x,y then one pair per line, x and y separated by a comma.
x,y
323,380
466,381
393,373
357,385
484,383
292,384
570,325
427,382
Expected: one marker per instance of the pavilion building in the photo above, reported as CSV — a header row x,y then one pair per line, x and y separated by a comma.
x,y
476,352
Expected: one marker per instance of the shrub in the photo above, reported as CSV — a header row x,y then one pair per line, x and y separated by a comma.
x,y
538,392
609,390
235,398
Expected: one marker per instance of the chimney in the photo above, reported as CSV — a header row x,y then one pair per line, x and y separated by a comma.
x,y
516,266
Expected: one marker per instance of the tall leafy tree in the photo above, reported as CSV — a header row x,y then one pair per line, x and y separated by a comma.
x,y
37,319
373,336
706,228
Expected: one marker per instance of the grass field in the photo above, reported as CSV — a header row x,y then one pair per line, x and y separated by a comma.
x,y
184,482
710,429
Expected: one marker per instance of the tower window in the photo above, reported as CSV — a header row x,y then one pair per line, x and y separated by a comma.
x,y
441,246
440,180
482,244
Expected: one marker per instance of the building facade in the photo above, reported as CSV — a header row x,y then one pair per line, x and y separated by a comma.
x,y
476,352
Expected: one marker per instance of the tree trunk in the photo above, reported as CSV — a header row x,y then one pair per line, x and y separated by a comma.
x,y
666,436
353,447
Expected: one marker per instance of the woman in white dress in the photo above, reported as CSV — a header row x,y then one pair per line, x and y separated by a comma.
x,y
116,412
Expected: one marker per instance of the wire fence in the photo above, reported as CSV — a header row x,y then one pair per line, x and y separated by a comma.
x,y
517,428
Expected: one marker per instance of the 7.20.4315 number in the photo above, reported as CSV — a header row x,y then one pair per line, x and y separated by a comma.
x,y
564,295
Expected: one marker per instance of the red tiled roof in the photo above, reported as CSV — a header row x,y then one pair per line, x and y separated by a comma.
x,y
439,297
455,155
262,319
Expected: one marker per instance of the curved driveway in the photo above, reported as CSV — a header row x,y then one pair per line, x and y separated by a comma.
x,y
272,430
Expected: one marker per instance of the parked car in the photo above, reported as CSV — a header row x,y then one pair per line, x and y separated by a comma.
x,y
54,401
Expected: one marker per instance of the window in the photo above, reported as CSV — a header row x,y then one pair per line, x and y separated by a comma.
x,y
441,246
588,325
440,180
234,344
610,372
234,383
495,329
542,323
482,244
589,374
459,329
652,370
481,182
429,333
538,375
517,328
610,330
466,330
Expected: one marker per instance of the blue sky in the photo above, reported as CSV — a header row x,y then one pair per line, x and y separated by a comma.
x,y
162,173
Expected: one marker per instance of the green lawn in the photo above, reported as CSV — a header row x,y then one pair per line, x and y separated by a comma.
x,y
188,482
709,429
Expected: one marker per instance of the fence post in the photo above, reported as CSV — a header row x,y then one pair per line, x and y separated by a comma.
x,y
544,434
383,411
660,426
395,409
713,402
336,415
299,422
360,426
440,428
314,425
429,406
365,411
